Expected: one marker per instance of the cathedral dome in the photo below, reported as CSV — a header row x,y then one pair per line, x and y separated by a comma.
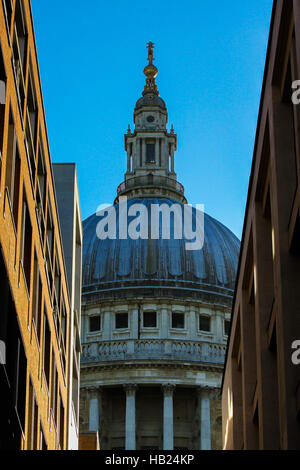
x,y
163,261
158,280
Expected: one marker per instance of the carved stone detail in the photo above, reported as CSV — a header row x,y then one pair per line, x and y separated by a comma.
x,y
168,389
130,389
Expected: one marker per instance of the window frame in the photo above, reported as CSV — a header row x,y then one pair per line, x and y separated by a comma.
x,y
172,321
121,328
226,320
145,312
206,317
92,317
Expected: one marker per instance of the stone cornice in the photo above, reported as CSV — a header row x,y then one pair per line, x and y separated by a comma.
x,y
151,365
134,303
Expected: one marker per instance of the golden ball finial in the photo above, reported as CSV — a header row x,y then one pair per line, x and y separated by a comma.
x,y
150,71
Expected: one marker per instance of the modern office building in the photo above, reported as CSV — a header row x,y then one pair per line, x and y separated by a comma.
x,y
65,177
38,303
261,383
154,314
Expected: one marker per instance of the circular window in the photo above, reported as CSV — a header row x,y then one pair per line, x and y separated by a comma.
x,y
150,119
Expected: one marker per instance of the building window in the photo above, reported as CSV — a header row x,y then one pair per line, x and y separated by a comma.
x,y
95,323
50,232
36,298
121,321
32,420
226,327
26,243
61,422
8,13
20,51
46,349
20,36
178,320
32,107
2,100
31,123
41,176
54,381
63,334
13,165
150,320
204,323
57,286
150,152
49,246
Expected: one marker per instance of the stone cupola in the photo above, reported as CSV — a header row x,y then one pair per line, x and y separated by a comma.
x,y
150,147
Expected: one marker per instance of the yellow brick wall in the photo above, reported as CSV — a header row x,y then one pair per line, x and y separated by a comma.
x,y
11,242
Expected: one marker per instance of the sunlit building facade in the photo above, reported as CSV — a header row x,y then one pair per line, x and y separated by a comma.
x,y
261,383
37,320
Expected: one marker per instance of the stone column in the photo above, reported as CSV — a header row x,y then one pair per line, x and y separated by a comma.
x,y
157,151
134,150
106,334
193,327
172,158
130,436
144,151
166,154
134,312
219,317
138,153
204,410
128,157
94,408
168,439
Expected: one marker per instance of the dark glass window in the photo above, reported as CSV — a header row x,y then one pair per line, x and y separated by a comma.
x,y
121,320
47,348
150,153
61,423
95,323
149,320
150,118
8,12
36,297
178,320
226,327
2,99
204,323
26,243
13,164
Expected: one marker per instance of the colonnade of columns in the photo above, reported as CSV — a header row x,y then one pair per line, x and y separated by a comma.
x,y
161,153
203,412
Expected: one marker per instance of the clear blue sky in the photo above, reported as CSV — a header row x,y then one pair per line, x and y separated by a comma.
x,y
210,57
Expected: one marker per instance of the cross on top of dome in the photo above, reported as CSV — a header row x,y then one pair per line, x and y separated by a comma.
x,y
151,72
150,47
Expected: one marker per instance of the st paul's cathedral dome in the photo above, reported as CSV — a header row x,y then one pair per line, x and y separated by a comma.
x,y
155,315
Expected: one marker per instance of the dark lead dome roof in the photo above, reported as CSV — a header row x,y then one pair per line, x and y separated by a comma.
x,y
111,261
150,99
